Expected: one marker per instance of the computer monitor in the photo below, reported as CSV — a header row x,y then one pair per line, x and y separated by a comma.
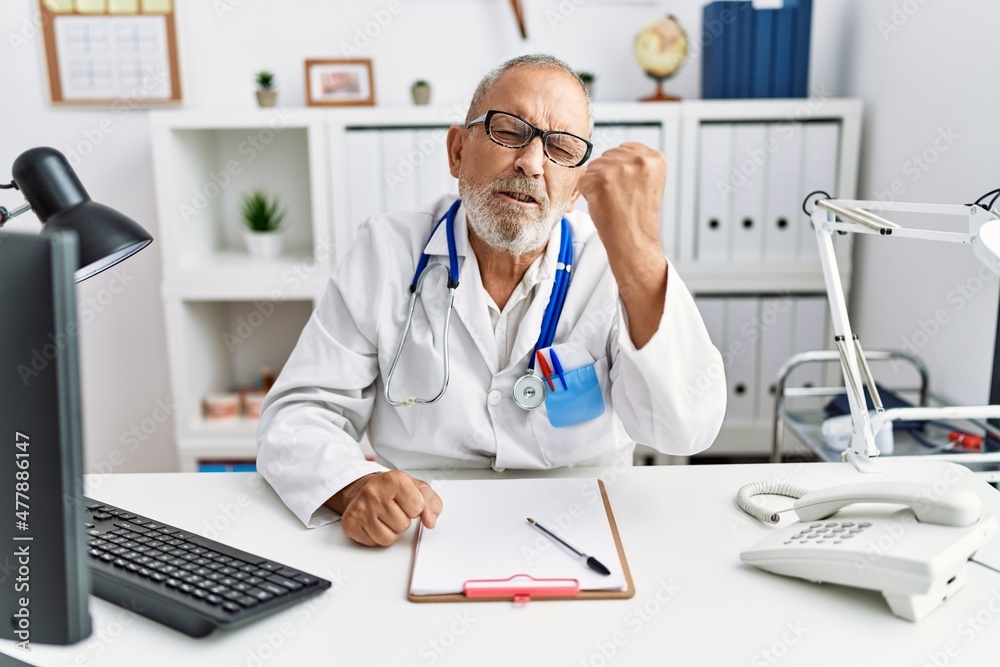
x,y
45,579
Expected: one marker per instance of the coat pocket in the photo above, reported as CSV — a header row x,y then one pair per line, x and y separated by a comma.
x,y
583,431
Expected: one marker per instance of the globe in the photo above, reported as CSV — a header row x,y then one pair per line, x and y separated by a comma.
x,y
660,49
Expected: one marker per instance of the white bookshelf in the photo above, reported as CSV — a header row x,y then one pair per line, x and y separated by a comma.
x,y
334,167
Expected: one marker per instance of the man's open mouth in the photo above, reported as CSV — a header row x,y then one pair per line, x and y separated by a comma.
x,y
520,196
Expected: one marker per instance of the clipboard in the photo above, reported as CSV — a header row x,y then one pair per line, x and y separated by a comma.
x,y
522,588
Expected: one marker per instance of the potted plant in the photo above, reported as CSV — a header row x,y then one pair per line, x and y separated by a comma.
x,y
262,217
588,81
421,91
267,96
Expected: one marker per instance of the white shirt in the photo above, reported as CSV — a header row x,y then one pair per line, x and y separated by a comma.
x,y
507,321
670,395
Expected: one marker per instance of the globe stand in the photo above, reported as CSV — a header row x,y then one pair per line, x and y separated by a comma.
x,y
659,95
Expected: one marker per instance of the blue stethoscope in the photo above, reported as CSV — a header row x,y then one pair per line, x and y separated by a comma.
x,y
529,390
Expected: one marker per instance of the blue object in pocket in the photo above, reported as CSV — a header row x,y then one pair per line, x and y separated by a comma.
x,y
580,401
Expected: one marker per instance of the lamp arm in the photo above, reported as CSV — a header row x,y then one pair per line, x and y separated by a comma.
x,y
862,450
856,216
6,214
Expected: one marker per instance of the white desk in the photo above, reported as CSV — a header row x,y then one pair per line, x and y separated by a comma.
x,y
695,603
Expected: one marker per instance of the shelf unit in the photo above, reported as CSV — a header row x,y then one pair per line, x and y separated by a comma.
x,y
824,135
230,316
332,168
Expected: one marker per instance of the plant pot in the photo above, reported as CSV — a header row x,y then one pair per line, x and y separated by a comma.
x,y
264,245
421,94
267,98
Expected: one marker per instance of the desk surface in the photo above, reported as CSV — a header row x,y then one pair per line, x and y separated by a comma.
x,y
695,602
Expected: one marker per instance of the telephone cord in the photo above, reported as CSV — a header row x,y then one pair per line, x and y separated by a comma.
x,y
744,498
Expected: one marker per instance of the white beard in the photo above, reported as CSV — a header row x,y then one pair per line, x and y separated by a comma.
x,y
506,227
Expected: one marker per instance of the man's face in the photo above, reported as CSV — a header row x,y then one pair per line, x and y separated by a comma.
x,y
493,180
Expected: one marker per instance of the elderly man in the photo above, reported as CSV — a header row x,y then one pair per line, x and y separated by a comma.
x,y
572,336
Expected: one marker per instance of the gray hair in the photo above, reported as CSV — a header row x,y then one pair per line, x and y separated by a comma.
x,y
532,61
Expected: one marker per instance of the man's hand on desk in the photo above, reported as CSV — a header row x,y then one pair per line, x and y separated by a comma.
x,y
376,509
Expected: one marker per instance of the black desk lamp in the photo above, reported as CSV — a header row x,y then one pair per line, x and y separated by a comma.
x,y
44,576
57,197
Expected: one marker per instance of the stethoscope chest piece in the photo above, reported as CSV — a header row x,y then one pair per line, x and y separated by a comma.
x,y
529,392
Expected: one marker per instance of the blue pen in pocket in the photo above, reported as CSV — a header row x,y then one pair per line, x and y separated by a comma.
x,y
557,367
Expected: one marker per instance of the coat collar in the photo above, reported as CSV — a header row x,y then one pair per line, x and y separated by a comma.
x,y
438,243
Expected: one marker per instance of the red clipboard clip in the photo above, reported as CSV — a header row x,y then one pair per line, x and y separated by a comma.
x,y
521,588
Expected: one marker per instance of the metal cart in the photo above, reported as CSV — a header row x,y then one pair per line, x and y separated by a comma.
x,y
799,410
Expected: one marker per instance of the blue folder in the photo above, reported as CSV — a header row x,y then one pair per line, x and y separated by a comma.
x,y
784,31
800,48
740,46
763,42
713,66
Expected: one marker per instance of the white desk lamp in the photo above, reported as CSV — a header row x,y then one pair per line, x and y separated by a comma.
x,y
830,216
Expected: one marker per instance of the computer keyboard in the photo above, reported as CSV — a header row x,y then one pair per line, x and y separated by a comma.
x,y
186,581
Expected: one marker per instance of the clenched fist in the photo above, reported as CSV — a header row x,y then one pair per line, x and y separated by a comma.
x,y
378,508
624,189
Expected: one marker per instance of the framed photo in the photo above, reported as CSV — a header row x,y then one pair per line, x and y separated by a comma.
x,y
339,83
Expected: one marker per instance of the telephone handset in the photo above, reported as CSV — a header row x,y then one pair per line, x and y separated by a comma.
x,y
957,508
915,555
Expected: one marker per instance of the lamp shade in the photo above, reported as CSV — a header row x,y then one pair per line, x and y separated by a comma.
x,y
986,244
106,237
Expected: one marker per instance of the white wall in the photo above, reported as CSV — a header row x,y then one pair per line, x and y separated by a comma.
x,y
923,72
928,78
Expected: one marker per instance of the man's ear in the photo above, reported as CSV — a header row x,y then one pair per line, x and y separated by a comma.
x,y
455,142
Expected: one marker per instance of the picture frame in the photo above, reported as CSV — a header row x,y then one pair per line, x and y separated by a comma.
x,y
340,82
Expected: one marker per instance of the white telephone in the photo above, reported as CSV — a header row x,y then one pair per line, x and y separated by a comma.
x,y
916,556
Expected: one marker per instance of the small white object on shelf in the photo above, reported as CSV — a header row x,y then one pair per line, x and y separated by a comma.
x,y
222,406
264,245
252,401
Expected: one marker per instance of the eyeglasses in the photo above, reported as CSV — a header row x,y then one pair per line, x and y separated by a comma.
x,y
510,131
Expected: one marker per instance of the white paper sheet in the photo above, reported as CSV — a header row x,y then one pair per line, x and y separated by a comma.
x,y
483,533
112,57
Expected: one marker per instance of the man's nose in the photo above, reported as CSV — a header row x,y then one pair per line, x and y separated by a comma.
x,y
530,159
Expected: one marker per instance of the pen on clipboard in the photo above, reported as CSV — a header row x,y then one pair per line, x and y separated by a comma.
x,y
592,562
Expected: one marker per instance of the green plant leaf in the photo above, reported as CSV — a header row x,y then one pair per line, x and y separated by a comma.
x,y
265,80
261,213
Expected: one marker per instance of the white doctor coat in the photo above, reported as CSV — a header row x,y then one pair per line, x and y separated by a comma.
x,y
670,395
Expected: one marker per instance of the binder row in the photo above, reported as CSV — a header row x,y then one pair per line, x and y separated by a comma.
x,y
755,52
395,170
752,178
756,335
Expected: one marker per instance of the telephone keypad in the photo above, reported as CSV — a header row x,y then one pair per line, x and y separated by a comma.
x,y
832,531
